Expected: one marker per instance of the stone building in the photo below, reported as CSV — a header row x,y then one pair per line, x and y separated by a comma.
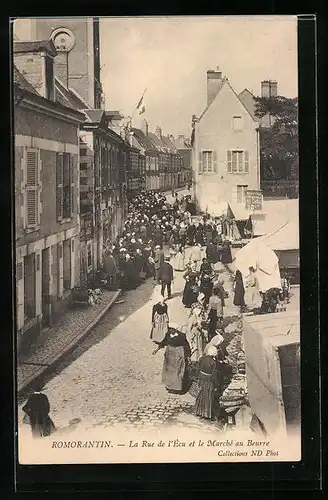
x,y
104,155
47,221
226,149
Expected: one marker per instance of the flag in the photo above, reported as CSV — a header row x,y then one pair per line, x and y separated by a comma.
x,y
140,102
142,110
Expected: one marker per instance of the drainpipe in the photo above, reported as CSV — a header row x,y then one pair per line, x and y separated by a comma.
x,y
258,158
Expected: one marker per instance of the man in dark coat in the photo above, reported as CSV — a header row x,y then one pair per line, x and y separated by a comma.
x,y
166,276
212,253
110,268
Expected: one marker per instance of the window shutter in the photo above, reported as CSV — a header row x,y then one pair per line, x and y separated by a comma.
x,y
246,160
66,186
200,169
59,185
32,178
240,161
229,162
72,190
215,160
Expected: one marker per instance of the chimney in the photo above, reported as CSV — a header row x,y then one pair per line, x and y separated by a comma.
x,y
35,61
158,132
130,138
273,88
181,136
214,80
144,127
61,67
265,88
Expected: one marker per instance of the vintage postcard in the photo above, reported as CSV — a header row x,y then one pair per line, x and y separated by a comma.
x,y
157,239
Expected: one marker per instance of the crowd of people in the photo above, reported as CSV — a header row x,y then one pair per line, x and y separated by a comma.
x,y
156,230
158,239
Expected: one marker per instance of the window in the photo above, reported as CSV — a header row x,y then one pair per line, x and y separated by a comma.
x,y
241,194
32,187
238,162
237,123
207,162
65,186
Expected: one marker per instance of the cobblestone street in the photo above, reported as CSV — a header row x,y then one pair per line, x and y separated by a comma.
x,y
112,376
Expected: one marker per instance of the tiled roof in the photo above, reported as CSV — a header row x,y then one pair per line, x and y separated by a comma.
x,y
68,98
168,143
143,139
37,46
156,140
248,100
20,80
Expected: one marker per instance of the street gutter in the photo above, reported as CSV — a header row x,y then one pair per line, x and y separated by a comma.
x,y
44,369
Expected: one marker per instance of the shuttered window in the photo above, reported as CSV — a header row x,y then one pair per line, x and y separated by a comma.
x,y
237,162
32,187
67,186
59,185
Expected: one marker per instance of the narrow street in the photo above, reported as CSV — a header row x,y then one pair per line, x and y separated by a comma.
x,y
112,376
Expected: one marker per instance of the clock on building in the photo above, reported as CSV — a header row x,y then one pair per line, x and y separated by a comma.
x,y
63,39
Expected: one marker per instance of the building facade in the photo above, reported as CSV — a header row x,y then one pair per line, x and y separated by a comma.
x,y
77,41
226,149
184,149
47,221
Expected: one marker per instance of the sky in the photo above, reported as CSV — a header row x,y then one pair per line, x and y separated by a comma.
x,y
169,56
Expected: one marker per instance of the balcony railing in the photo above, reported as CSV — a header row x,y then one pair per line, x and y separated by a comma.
x,y
280,188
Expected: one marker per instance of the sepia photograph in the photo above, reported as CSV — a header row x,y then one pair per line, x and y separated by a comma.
x,y
156,238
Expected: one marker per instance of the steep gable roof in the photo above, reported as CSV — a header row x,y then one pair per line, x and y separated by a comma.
x,y
156,140
248,100
21,81
168,143
225,81
143,139
71,99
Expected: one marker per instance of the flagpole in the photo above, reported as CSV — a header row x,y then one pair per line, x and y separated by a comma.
x,y
140,100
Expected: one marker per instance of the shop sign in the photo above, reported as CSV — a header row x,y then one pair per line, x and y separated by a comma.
x,y
254,200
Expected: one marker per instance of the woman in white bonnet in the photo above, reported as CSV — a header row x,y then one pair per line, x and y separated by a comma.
x,y
159,319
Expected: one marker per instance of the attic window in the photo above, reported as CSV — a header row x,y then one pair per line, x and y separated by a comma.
x,y
237,123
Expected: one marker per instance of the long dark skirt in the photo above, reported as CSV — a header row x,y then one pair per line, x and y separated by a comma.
x,y
43,427
190,294
206,404
213,323
174,367
238,299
